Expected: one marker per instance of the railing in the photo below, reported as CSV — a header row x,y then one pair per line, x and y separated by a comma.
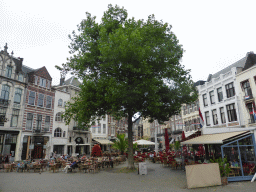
x,y
75,128
4,102
249,96
251,121
37,130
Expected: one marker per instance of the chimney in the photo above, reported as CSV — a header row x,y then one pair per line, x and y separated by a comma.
x,y
62,79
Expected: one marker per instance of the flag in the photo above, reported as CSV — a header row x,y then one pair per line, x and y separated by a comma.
x,y
253,111
201,119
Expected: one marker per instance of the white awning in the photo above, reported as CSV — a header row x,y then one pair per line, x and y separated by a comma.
x,y
215,138
188,133
69,144
103,141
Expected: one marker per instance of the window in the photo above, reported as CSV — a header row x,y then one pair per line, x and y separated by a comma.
x,y
112,130
207,118
58,117
231,110
104,118
104,128
212,99
57,132
36,80
220,95
15,117
9,71
214,117
64,104
5,92
48,102
42,82
59,149
250,107
222,115
247,89
2,115
17,96
40,101
93,129
60,102
99,128
29,124
39,122
230,90
64,133
49,85
205,100
20,77
47,123
31,98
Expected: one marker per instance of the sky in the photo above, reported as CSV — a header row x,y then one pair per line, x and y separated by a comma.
x,y
214,34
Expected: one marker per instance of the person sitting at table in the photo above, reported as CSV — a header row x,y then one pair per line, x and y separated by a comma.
x,y
20,166
234,163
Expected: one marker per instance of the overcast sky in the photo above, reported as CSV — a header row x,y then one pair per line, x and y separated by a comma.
x,y
214,34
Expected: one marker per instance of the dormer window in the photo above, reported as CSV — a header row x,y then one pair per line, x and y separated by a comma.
x,y
9,71
49,85
36,79
20,77
42,82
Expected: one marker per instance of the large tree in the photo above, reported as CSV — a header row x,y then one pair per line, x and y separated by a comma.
x,y
127,67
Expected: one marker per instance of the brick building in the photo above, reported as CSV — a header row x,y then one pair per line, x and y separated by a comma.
x,y
38,114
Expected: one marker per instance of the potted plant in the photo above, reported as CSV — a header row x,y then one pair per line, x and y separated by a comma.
x,y
224,169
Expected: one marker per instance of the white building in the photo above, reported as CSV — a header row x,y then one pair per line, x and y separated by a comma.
x,y
219,100
60,130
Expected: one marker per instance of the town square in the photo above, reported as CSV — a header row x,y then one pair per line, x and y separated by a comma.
x,y
103,97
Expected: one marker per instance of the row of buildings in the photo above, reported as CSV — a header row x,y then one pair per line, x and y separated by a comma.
x,y
31,124
226,100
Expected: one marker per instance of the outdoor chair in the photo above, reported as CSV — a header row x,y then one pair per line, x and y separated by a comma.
x,y
37,167
174,165
252,170
7,167
92,168
232,173
1,167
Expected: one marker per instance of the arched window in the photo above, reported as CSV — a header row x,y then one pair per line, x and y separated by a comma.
x,y
5,92
9,71
17,96
58,116
64,133
57,132
60,103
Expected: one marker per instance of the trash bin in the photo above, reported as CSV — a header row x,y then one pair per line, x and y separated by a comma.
x,y
142,168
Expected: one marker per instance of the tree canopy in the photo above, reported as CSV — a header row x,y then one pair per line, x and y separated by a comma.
x,y
127,67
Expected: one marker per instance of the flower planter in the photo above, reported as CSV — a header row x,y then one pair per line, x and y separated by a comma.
x,y
224,180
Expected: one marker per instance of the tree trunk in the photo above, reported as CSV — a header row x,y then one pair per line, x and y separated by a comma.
x,y
130,143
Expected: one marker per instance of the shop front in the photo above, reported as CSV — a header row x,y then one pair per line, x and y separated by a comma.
x,y
238,147
240,154
34,147
8,142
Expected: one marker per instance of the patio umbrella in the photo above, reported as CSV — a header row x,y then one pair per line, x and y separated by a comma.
x,y
183,136
144,142
166,141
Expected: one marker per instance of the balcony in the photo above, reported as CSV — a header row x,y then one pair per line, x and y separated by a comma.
x,y
251,121
75,128
4,102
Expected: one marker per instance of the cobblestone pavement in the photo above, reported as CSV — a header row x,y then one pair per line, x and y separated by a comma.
x,y
158,179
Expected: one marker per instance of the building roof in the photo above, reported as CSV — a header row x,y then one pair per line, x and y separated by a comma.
x,y
240,63
72,81
26,69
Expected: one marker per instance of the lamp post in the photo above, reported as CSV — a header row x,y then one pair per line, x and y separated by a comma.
x,y
156,148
